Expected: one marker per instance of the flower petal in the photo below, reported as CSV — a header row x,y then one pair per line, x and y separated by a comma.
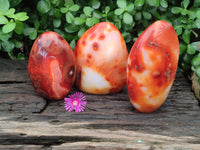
x,y
80,98
69,107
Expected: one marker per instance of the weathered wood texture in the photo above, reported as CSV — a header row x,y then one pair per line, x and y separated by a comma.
x,y
27,121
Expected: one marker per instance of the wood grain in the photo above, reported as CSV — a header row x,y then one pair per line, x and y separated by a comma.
x,y
27,121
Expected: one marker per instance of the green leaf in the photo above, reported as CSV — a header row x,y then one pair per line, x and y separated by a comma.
x,y
79,20
19,27
196,61
95,4
121,3
183,48
8,46
119,11
83,16
50,12
9,27
129,27
138,16
139,3
4,5
14,3
156,14
154,3
81,31
27,31
198,14
73,44
55,2
11,11
69,17
18,44
74,8
183,19
190,49
21,56
130,7
59,32
184,12
5,36
198,71
146,15
196,3
118,24
98,14
126,36
56,22
3,20
186,36
63,10
69,2
185,3
164,3
127,18
36,24
57,13
92,21
33,35
178,29
21,16
107,9
185,66
192,14
176,10
197,23
43,6
69,36
195,45
187,58
10,15
69,28
87,11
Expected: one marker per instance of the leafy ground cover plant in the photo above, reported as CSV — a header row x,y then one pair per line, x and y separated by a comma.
x,y
71,18
11,28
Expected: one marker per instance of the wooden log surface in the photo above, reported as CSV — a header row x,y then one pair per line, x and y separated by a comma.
x,y
27,121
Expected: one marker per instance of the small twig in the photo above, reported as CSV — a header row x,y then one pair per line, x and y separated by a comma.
x,y
10,55
91,108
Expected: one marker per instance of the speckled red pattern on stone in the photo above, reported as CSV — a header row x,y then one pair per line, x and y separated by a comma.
x,y
101,60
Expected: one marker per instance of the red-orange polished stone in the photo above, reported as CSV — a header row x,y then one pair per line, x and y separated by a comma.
x,y
52,66
152,65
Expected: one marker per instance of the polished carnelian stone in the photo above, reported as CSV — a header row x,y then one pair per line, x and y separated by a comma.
x,y
152,65
101,56
52,66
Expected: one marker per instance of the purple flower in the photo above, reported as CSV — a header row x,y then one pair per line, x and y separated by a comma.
x,y
75,102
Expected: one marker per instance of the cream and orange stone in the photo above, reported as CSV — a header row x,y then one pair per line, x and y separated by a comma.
x,y
101,56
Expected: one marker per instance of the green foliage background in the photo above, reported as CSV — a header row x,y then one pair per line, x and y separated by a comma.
x,y
22,21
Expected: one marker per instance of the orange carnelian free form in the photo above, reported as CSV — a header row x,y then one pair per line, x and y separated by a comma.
x,y
152,65
101,56
52,66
